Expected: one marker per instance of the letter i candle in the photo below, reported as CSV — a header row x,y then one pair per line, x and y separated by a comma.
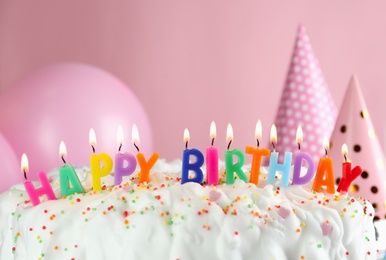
x,y
34,194
212,159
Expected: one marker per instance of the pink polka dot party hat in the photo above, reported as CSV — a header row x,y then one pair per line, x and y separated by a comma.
x,y
305,101
355,129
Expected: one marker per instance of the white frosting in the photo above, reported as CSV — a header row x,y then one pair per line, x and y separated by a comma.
x,y
167,220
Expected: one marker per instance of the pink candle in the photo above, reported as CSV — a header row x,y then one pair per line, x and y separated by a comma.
x,y
212,159
35,193
125,163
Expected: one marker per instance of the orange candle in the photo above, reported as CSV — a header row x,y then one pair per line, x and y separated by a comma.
x,y
325,172
145,166
257,153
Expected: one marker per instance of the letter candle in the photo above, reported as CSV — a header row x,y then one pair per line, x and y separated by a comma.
x,y
212,159
125,163
274,165
95,163
191,166
232,168
145,166
69,181
325,172
348,175
300,157
257,153
34,194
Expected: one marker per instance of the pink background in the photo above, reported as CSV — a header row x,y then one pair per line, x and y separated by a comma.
x,y
191,62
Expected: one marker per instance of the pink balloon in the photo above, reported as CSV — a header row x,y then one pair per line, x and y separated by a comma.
x,y
10,166
62,102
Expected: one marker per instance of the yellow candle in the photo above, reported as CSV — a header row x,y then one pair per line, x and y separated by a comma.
x,y
97,172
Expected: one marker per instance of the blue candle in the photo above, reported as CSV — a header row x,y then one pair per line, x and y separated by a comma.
x,y
275,166
188,166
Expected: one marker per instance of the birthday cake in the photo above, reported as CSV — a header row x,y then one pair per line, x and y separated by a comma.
x,y
164,219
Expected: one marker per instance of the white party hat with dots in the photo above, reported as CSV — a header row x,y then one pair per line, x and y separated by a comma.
x,y
355,128
305,101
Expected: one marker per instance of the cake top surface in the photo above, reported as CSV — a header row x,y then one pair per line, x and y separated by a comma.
x,y
240,220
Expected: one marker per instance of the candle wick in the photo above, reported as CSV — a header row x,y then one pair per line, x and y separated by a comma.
x,y
64,161
229,144
345,158
325,151
120,147
25,174
212,141
93,148
136,147
274,148
257,142
186,144
299,146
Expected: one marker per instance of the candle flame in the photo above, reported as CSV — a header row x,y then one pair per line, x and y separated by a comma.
x,y
186,135
299,134
326,143
258,130
344,150
92,138
212,130
135,135
24,163
62,149
273,134
120,135
229,133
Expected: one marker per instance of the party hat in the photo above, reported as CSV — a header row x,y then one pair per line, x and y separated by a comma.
x,y
305,101
355,128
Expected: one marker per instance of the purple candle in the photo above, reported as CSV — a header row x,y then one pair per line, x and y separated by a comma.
x,y
300,157
125,163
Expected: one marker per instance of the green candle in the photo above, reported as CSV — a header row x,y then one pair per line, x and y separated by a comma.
x,y
69,181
